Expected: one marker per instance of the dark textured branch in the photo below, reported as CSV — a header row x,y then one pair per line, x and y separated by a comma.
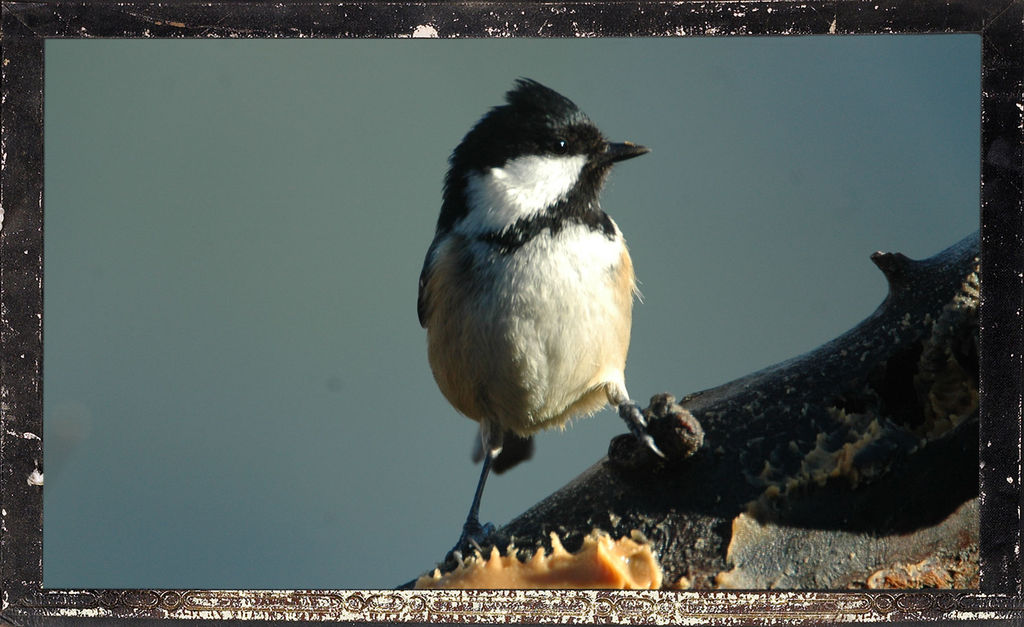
x,y
855,464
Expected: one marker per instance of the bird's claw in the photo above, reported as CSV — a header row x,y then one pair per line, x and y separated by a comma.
x,y
473,535
637,424
649,443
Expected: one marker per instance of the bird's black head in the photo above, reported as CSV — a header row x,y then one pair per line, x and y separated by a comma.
x,y
535,120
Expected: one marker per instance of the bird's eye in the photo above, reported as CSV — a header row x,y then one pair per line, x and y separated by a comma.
x,y
560,146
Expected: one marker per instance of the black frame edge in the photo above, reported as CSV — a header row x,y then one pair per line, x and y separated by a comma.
x,y
1002,254
21,239
26,25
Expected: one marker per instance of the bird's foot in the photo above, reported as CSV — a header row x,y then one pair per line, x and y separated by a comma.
x,y
630,412
473,535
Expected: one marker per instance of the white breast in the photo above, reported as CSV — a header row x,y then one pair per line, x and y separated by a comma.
x,y
560,269
559,301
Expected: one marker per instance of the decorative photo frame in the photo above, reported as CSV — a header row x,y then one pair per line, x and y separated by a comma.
x,y
1000,23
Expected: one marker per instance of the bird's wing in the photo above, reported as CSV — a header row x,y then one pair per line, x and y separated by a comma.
x,y
421,298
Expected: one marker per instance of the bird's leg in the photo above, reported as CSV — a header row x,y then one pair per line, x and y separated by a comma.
x,y
473,529
630,412
473,533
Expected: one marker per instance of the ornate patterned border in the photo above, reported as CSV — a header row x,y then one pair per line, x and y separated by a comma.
x,y
534,606
25,26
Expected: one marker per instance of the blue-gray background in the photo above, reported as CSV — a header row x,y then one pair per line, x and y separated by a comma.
x,y
236,391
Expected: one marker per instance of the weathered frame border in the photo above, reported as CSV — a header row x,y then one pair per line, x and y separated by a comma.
x,y
25,26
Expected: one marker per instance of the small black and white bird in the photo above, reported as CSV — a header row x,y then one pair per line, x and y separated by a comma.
x,y
527,289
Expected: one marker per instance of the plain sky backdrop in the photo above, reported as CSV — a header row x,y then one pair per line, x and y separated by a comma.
x,y
236,389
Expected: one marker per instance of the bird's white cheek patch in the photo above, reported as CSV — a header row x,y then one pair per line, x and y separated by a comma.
x,y
521,188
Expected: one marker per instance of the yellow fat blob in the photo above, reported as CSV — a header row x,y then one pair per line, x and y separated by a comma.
x,y
626,563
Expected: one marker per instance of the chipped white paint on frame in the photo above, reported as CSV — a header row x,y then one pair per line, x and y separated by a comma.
x,y
425,31
36,478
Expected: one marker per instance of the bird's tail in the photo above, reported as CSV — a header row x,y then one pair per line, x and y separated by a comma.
x,y
515,449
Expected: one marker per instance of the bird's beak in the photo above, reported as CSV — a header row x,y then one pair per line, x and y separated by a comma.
x,y
626,150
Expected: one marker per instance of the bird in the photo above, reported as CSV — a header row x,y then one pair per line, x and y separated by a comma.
x,y
527,289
